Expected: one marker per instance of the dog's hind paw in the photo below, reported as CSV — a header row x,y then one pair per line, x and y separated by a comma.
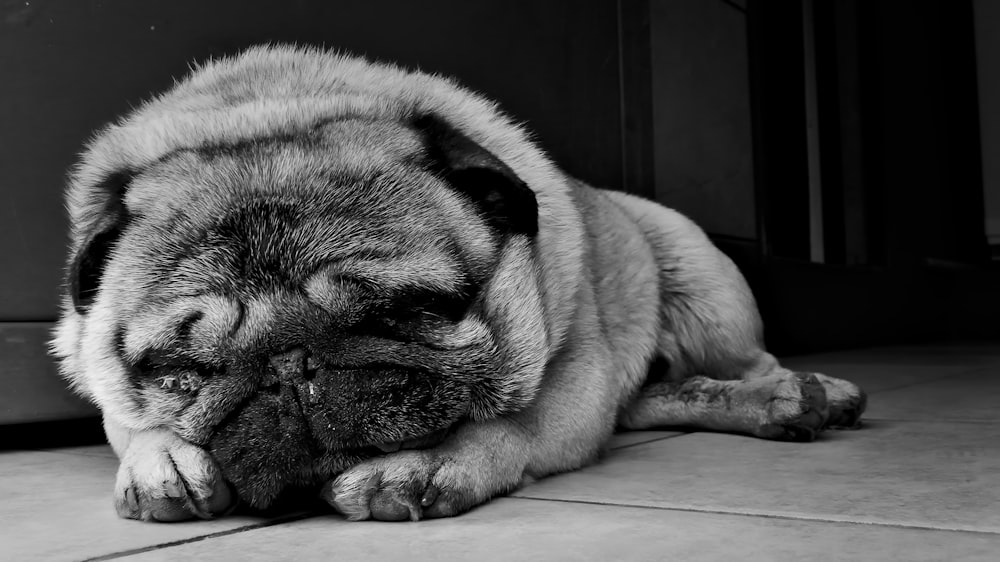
x,y
797,410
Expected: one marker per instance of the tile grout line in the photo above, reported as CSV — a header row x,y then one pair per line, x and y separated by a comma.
x,y
766,516
653,440
158,546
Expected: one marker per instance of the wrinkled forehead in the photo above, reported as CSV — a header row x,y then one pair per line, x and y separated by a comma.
x,y
349,191
282,163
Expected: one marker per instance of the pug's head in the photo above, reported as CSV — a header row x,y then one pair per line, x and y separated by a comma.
x,y
299,300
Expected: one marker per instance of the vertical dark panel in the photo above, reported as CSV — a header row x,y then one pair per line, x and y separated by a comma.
x,y
637,97
777,88
850,216
831,82
703,144
987,25
922,134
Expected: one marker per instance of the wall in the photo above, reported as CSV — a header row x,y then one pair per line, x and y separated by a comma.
x,y
702,144
69,67
987,15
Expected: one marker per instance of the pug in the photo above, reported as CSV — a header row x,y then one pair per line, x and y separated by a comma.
x,y
301,269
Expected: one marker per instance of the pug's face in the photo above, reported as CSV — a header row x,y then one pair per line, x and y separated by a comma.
x,y
297,299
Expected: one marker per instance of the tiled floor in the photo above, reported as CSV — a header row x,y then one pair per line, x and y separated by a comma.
x,y
921,481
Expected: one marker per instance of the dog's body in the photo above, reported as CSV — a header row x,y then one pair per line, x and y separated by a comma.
x,y
295,256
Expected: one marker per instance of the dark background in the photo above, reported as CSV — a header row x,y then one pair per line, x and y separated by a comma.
x,y
707,106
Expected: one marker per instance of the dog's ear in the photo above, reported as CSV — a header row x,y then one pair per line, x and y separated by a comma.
x,y
503,198
86,267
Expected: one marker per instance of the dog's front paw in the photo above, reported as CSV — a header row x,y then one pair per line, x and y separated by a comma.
x,y
165,478
410,485
797,409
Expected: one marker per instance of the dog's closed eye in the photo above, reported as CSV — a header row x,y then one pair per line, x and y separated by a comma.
x,y
428,305
171,371
416,312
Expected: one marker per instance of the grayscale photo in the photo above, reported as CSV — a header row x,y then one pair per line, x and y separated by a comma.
x,y
500,280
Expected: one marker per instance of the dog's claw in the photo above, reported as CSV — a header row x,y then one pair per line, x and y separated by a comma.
x,y
430,496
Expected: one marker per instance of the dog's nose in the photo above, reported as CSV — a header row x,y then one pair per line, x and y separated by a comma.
x,y
290,366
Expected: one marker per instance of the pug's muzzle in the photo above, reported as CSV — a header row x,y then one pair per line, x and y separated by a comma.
x,y
312,398
308,421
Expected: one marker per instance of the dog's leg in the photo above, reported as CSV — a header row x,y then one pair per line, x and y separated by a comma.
x,y
711,327
564,429
784,406
162,477
768,401
476,462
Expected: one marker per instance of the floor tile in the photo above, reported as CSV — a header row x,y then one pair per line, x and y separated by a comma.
x,y
512,529
630,438
903,473
917,483
971,396
58,507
